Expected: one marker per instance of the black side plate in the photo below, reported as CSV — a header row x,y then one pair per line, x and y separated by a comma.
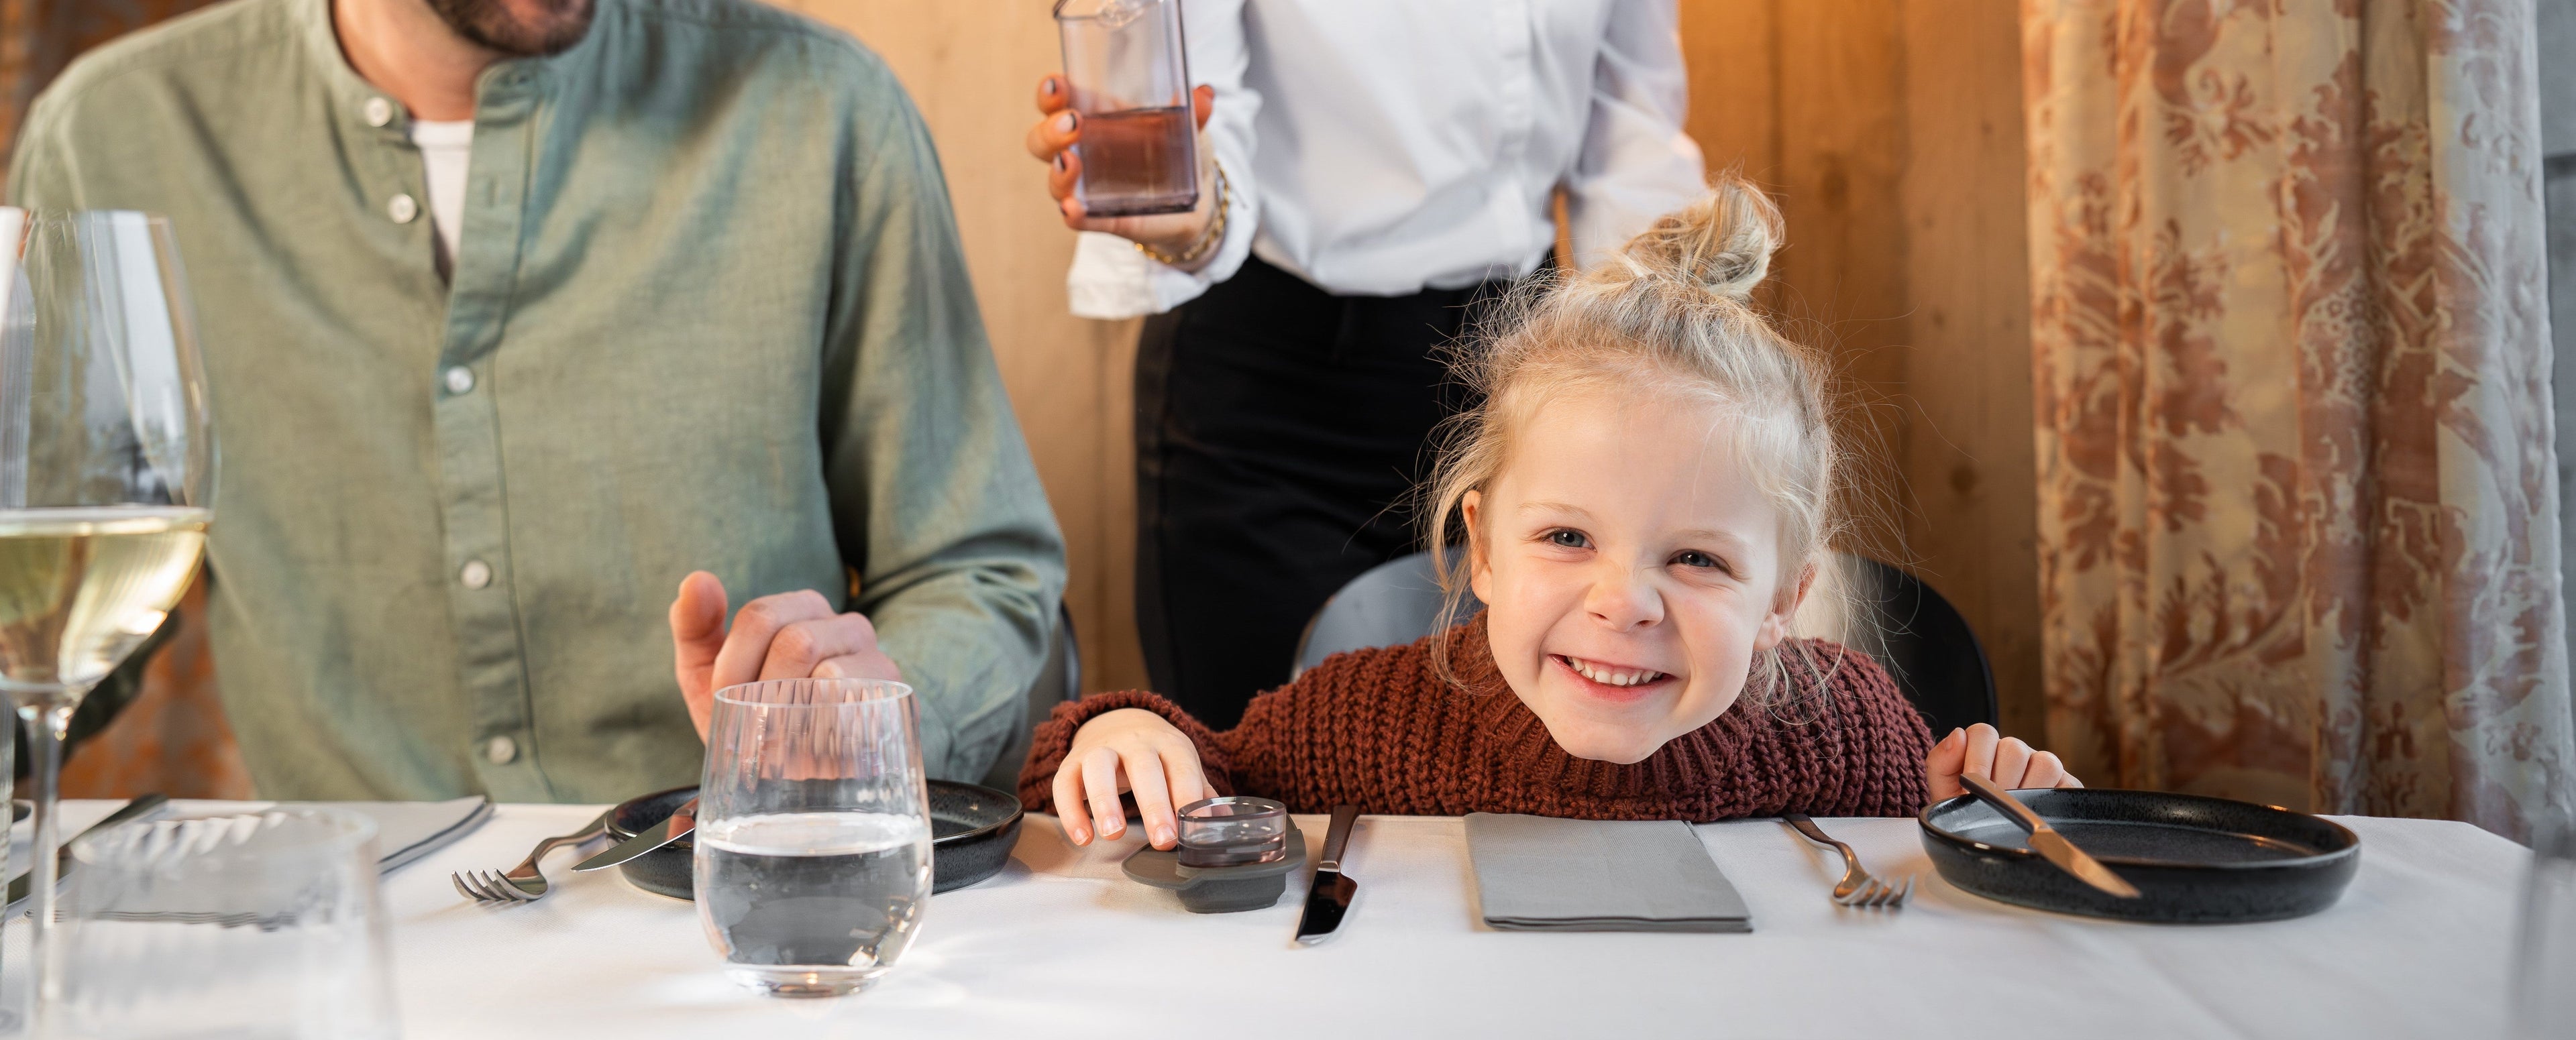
x,y
972,830
2195,859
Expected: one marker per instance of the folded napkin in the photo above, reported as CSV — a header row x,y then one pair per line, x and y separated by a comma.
x,y
1534,873
406,831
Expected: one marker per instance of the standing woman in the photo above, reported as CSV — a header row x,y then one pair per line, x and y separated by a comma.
x,y
1369,172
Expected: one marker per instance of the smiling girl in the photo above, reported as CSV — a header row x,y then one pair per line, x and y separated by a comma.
x,y
1647,493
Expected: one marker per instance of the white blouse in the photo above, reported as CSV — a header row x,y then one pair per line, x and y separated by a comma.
x,y
1385,146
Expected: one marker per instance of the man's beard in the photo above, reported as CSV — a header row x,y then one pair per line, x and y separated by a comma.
x,y
498,25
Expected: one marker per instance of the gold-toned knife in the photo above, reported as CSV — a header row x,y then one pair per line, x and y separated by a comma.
x,y
2045,840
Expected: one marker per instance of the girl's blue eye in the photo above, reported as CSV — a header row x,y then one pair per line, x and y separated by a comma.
x,y
1566,539
1696,558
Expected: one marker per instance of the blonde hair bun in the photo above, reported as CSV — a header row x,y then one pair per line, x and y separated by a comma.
x,y
1721,243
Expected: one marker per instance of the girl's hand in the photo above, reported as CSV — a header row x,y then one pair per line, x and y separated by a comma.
x,y
1051,140
1132,750
2007,761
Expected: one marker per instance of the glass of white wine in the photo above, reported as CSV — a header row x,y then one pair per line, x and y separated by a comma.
x,y
107,475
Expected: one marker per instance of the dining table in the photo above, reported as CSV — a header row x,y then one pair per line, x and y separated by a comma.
x,y
1062,944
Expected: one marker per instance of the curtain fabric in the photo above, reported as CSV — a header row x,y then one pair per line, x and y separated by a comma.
x,y
2298,535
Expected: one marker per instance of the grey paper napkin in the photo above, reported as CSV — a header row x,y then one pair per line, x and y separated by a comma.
x,y
1534,873
406,831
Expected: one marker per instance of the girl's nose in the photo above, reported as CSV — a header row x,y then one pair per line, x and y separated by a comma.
x,y
1622,599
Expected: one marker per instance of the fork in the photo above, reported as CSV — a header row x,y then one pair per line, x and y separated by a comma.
x,y
523,883
1857,888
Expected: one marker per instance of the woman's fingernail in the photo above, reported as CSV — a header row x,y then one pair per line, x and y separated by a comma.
x,y
1064,123
1059,162
1048,85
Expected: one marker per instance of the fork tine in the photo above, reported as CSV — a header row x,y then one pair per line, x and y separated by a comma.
x,y
461,890
1907,892
501,886
1891,894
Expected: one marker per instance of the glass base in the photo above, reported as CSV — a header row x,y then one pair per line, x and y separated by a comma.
x,y
803,980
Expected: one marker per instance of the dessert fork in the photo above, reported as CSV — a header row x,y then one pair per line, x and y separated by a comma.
x,y
1857,888
523,883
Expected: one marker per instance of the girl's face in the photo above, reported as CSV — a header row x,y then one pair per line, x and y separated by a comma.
x,y
1630,571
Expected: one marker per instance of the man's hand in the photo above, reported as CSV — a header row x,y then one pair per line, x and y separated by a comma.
x,y
792,635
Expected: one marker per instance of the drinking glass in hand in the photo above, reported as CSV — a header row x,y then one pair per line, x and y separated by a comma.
x,y
813,836
248,925
1139,148
107,472
2544,989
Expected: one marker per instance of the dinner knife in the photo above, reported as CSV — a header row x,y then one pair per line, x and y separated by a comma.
x,y
1330,896
24,885
681,821
2045,840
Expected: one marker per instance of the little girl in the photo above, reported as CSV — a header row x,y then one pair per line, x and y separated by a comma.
x,y
1647,491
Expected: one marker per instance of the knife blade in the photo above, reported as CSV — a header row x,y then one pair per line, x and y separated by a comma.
x,y
24,885
681,821
2045,840
1330,896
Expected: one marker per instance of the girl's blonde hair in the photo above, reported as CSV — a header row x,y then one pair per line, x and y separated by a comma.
x,y
1671,314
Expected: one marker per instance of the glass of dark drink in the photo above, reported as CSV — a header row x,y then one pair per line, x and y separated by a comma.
x,y
1139,149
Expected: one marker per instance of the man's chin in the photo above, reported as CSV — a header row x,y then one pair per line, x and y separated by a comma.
x,y
498,25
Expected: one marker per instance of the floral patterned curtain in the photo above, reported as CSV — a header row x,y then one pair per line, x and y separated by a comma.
x,y
2291,350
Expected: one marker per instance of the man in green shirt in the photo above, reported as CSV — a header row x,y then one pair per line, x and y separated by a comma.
x,y
516,313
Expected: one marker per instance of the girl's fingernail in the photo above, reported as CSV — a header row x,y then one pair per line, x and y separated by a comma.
x,y
1162,835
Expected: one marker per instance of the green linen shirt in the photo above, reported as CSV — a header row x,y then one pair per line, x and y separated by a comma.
x,y
709,312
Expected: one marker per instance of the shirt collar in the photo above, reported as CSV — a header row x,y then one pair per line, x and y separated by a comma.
x,y
352,96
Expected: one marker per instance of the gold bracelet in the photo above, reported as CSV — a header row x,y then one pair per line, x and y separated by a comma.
x,y
1208,238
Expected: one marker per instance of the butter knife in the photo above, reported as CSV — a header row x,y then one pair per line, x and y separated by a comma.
x,y
24,885
681,822
2045,840
1330,896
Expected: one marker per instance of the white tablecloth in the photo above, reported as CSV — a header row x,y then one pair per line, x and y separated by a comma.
x,y
1062,945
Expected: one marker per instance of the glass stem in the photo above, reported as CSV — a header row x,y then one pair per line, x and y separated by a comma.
x,y
46,722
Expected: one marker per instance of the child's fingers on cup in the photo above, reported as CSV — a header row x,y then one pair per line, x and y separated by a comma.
x,y
1100,784
1068,802
1153,796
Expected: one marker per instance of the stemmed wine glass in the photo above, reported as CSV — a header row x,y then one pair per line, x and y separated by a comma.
x,y
107,475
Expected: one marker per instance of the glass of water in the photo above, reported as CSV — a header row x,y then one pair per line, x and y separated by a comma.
x,y
813,836
2544,1000
252,924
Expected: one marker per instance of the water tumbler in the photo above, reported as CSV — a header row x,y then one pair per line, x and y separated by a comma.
x,y
1233,832
1130,81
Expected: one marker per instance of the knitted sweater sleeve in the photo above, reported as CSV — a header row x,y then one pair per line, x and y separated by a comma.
x,y
1874,742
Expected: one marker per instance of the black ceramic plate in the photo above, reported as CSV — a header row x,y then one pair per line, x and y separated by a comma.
x,y
2195,860
972,830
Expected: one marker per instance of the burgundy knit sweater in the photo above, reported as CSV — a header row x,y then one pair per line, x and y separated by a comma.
x,y
1380,729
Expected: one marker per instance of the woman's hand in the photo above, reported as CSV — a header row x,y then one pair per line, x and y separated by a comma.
x,y
1051,139
2007,761
1133,750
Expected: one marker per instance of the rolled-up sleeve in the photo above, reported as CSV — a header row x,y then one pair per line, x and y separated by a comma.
x,y
1636,163
935,502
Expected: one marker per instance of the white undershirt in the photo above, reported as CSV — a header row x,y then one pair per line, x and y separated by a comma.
x,y
445,149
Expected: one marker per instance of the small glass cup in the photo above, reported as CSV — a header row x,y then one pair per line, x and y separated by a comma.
x,y
256,924
1233,832
813,836
2544,1000
1124,62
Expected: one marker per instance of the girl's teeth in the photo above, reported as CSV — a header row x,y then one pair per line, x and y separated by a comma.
x,y
1611,676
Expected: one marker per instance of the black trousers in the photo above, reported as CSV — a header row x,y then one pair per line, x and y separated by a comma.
x,y
1280,431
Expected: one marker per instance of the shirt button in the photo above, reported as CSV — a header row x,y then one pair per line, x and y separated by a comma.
x,y
501,750
402,209
460,380
379,111
476,574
